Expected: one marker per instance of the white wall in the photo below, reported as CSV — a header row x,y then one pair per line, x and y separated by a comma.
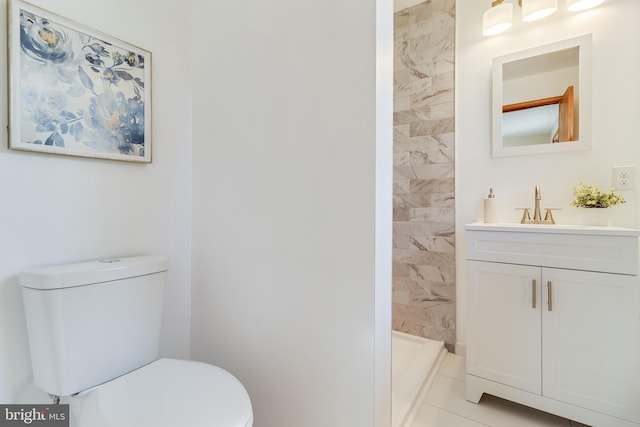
x,y
285,293
616,120
56,209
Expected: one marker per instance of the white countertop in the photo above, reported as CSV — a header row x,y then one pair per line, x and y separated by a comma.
x,y
553,228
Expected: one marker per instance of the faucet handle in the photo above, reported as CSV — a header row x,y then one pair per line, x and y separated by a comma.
x,y
548,216
526,216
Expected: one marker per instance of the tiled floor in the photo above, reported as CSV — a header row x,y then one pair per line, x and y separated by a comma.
x,y
445,405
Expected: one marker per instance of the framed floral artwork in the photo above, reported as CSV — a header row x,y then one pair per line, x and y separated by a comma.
x,y
74,90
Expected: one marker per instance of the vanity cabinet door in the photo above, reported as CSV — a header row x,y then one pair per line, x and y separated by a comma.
x,y
504,324
591,341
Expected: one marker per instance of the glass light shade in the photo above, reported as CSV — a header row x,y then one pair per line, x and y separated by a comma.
x,y
532,10
497,19
578,5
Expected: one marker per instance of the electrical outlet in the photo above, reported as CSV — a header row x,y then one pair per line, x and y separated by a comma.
x,y
624,177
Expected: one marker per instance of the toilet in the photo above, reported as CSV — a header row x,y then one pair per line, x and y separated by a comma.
x,y
94,331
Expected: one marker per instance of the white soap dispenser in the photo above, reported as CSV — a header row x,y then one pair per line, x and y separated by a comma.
x,y
491,208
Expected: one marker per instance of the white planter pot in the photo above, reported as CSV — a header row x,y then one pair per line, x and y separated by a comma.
x,y
595,216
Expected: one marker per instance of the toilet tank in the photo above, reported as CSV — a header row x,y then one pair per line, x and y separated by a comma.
x,y
91,322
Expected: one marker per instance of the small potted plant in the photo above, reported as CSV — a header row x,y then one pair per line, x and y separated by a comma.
x,y
590,196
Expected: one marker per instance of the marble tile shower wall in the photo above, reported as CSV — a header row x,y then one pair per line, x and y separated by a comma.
x,y
423,209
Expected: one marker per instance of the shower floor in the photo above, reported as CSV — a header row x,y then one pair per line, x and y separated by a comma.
x,y
414,363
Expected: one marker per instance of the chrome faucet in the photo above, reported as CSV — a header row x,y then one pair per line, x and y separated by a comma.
x,y
537,217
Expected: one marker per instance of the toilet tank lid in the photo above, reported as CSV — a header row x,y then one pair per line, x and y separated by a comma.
x,y
92,272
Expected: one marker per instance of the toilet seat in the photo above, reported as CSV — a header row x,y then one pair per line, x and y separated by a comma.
x,y
165,393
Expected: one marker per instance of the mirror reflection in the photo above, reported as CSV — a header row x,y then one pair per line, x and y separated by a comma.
x,y
541,99
540,121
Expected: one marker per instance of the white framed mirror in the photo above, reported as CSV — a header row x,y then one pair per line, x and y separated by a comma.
x,y
541,99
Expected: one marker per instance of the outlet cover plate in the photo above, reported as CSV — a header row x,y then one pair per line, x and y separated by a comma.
x,y
624,177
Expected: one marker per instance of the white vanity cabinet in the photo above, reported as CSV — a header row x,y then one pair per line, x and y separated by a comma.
x,y
553,318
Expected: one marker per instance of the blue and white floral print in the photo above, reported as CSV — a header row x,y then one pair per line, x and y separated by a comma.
x,y
78,91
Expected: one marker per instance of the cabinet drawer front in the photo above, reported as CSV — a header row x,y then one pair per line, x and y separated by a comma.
x,y
610,254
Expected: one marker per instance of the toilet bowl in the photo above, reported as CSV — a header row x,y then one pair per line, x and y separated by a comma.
x,y
165,393
94,333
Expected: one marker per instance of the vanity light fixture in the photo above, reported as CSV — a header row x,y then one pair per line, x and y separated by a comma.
x,y
578,5
499,17
532,10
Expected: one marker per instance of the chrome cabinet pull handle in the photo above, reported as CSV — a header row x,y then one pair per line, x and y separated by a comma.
x,y
550,299
533,293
